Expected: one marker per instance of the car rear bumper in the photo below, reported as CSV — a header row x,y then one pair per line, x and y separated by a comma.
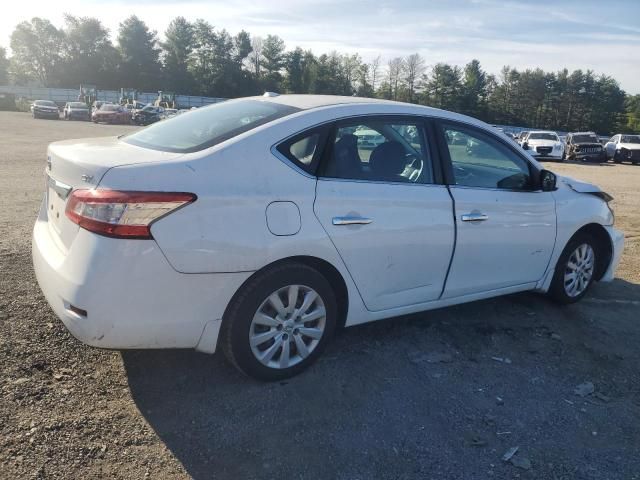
x,y
131,295
617,243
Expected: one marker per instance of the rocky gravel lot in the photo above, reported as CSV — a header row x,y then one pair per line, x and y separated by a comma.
x,y
448,394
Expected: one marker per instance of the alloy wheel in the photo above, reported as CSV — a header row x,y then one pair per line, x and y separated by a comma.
x,y
287,326
579,270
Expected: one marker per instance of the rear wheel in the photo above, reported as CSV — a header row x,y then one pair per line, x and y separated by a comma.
x,y
575,270
280,322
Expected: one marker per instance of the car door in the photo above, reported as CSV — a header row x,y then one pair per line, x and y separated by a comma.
x,y
379,202
506,227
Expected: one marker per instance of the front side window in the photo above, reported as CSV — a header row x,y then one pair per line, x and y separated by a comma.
x,y
379,150
484,162
208,126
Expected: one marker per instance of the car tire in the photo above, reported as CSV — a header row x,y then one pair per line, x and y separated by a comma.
x,y
580,261
251,314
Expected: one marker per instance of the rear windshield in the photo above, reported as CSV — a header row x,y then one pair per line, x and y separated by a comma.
x,y
208,126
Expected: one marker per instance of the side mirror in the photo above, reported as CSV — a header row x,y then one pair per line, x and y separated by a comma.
x,y
547,181
525,145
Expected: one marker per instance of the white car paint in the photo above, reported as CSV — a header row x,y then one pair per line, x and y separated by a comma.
x,y
172,290
533,144
616,144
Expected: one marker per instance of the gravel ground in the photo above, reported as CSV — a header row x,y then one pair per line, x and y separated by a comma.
x,y
440,395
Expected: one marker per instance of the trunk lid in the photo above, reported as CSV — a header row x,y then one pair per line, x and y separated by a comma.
x,y
81,164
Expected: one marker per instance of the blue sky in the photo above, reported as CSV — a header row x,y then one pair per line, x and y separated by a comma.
x,y
596,35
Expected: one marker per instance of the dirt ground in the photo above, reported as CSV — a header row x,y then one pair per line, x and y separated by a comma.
x,y
439,395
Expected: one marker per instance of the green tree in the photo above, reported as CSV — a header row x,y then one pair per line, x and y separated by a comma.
x,y
138,47
37,46
4,67
443,87
88,56
273,61
177,47
474,91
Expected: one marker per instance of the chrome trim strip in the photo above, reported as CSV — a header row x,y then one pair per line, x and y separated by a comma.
x,y
62,189
351,221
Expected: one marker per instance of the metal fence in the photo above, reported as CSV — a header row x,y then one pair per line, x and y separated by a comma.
x,y
63,95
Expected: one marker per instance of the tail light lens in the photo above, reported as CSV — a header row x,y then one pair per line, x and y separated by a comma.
x,y
120,214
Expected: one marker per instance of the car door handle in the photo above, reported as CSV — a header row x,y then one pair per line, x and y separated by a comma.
x,y
351,221
474,217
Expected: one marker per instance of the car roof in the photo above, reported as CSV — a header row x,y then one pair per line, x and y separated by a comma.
x,y
306,102
310,102
543,131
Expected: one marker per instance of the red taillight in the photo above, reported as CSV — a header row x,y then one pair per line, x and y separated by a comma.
x,y
121,214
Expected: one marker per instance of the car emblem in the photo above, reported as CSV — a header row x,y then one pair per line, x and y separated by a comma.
x,y
87,178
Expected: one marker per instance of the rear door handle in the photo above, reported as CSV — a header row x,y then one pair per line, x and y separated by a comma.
x,y
351,221
474,217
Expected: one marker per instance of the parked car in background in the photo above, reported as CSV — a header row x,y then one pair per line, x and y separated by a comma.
x,y
622,148
257,226
521,136
544,145
585,147
45,109
168,113
148,115
76,111
97,104
111,113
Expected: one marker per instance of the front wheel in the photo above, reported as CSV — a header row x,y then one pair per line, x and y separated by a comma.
x,y
279,322
575,270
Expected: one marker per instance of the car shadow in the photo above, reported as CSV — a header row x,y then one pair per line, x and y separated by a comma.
x,y
398,398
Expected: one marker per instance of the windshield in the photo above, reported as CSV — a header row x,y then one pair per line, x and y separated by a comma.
x,y
149,108
630,139
77,105
585,139
44,103
109,108
543,136
208,126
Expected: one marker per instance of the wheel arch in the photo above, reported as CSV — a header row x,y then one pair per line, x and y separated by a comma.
x,y
326,269
598,232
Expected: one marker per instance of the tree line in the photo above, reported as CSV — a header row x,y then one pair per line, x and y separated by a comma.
x,y
196,58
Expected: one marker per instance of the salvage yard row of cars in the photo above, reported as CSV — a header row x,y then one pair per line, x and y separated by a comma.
x,y
104,112
579,146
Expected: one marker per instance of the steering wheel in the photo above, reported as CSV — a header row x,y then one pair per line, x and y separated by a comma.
x,y
415,163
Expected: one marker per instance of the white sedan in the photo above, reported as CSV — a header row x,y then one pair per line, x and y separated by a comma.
x,y
259,226
544,145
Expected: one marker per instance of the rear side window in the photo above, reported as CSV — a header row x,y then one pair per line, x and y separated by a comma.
x,y
305,149
208,126
379,149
